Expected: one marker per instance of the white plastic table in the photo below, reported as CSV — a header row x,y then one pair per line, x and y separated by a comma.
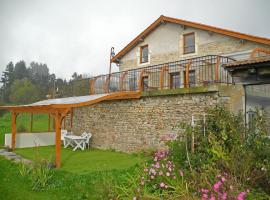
x,y
74,141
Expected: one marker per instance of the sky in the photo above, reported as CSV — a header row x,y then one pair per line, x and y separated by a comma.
x,y
76,35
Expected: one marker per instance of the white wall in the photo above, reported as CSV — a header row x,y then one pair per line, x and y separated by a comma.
x,y
31,139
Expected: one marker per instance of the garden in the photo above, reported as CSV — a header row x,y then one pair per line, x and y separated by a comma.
x,y
226,159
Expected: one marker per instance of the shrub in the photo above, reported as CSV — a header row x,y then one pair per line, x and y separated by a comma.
x,y
41,175
39,172
21,128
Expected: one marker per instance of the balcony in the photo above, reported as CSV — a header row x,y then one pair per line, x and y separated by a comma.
x,y
199,71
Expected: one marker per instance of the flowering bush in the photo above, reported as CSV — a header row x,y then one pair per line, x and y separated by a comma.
x,y
187,168
161,172
222,189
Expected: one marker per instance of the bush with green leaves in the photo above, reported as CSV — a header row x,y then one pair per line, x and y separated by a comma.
x,y
228,145
39,171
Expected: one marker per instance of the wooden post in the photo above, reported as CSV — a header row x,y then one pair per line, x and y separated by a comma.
x,y
162,77
92,85
121,86
58,140
49,122
106,88
31,123
140,81
13,129
187,75
217,69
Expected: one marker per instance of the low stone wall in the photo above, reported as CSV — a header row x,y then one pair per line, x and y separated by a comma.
x,y
136,124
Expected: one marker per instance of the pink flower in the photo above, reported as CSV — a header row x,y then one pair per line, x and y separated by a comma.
x,y
224,196
181,173
241,196
157,165
162,184
204,190
212,198
217,186
168,174
152,177
223,179
145,169
204,197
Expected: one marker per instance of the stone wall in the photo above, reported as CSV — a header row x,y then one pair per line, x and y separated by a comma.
x,y
136,124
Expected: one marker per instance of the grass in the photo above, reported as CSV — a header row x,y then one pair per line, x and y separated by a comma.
x,y
40,124
82,162
89,174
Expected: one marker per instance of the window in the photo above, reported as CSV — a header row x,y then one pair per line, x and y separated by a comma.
x,y
145,83
189,43
144,54
192,81
174,80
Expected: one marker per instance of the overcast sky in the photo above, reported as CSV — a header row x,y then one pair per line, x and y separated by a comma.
x,y
76,35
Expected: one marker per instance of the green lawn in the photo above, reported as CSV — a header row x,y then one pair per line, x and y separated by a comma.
x,y
89,174
40,124
90,160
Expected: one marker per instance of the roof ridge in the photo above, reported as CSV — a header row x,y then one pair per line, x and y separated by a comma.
x,y
201,26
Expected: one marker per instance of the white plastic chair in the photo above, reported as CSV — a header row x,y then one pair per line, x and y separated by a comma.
x,y
87,140
63,134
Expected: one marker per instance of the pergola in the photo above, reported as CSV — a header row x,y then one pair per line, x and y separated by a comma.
x,y
59,109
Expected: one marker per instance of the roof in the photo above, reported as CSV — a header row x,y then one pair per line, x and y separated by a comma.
x,y
251,61
71,102
162,19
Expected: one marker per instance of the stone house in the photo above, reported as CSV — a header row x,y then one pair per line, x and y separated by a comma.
x,y
181,68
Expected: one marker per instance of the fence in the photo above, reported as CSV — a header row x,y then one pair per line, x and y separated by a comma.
x,y
192,72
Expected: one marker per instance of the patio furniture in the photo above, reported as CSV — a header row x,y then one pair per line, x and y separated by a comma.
x,y
75,141
87,141
63,134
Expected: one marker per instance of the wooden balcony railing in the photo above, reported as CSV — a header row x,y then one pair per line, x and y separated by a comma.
x,y
192,72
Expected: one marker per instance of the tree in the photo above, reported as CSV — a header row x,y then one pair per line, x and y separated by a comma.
x,y
20,70
7,79
23,91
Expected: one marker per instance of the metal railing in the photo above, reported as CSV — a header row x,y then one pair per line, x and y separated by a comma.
x,y
199,71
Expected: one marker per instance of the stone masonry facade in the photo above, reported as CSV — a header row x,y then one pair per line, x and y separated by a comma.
x,y
137,124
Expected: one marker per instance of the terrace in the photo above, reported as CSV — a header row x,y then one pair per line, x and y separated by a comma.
x,y
192,72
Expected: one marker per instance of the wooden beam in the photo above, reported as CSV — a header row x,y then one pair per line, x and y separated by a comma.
x,y
162,73
106,85
140,80
187,74
31,123
58,140
121,86
13,129
217,69
92,86
259,50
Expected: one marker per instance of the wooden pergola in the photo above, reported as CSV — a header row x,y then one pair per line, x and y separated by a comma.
x,y
59,109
